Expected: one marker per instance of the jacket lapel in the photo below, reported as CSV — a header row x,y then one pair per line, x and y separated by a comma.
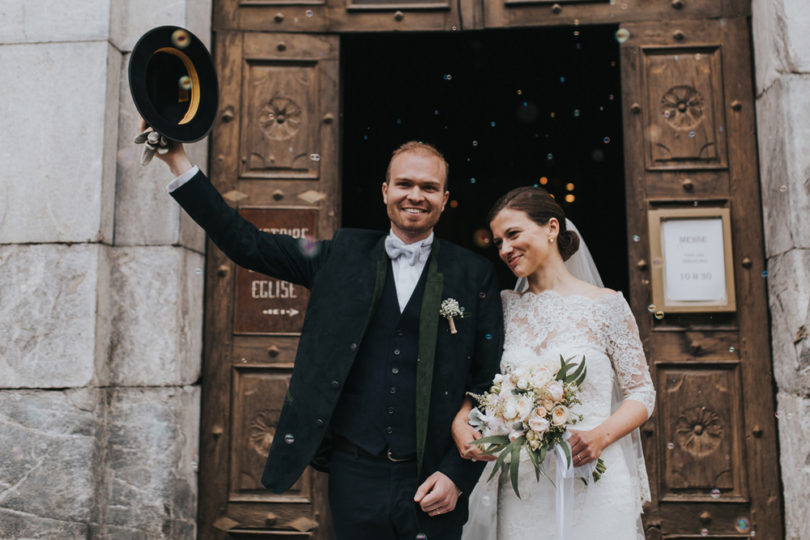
x,y
380,260
428,329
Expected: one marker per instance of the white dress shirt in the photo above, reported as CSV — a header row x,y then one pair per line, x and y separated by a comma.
x,y
406,275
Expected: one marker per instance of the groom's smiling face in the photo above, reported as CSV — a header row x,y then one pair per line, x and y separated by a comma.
x,y
415,195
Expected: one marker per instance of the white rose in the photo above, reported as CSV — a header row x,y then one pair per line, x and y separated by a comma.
x,y
555,390
523,383
559,415
510,409
497,379
540,378
524,407
548,404
538,424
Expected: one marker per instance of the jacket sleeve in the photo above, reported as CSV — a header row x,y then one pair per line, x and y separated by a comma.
x,y
485,364
275,255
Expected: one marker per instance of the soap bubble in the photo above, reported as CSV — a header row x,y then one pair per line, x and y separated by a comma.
x,y
309,246
764,273
704,532
691,134
482,238
783,188
651,308
622,35
659,315
184,82
742,524
606,140
715,493
448,77
731,349
488,336
670,446
315,157
289,438
180,38
472,180
309,13
636,238
475,143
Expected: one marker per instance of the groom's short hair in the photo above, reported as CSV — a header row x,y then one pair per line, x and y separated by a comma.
x,y
419,147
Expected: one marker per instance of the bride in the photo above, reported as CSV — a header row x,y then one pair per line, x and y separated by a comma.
x,y
562,315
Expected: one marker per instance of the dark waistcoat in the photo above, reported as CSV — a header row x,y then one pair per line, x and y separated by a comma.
x,y
378,404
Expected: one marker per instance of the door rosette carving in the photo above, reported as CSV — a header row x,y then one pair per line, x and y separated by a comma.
x,y
682,106
280,118
262,429
699,431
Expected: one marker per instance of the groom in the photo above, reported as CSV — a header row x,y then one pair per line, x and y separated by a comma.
x,y
379,373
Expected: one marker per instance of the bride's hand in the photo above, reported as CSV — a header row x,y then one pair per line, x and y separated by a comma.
x,y
463,434
586,446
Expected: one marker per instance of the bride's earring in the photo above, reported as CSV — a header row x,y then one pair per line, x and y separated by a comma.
x,y
550,239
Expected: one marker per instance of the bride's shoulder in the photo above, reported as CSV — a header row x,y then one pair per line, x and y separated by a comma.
x,y
588,290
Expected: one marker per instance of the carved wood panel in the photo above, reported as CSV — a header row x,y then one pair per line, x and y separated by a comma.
x,y
684,109
513,13
699,413
258,395
280,120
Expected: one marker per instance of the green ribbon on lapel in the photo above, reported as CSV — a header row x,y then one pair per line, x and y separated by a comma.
x,y
428,329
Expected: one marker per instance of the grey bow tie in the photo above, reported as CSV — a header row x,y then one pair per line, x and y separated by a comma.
x,y
396,248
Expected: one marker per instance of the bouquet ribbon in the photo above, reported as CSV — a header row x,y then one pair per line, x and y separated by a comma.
x,y
564,496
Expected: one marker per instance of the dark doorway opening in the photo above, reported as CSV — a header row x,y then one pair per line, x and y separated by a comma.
x,y
507,108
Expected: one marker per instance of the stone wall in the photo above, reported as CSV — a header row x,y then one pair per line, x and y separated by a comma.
x,y
101,282
782,57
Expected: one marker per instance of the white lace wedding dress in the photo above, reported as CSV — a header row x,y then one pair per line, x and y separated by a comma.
x,y
540,328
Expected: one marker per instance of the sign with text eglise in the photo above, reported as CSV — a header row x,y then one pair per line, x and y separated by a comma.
x,y
264,304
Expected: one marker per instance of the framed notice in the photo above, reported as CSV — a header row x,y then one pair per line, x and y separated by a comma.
x,y
263,304
691,260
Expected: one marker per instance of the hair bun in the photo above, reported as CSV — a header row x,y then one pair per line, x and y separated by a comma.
x,y
568,244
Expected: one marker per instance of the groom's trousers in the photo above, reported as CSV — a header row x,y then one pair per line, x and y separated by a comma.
x,y
372,498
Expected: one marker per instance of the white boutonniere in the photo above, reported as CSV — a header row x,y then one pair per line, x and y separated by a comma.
x,y
450,309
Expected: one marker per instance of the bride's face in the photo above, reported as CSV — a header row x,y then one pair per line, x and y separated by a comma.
x,y
523,244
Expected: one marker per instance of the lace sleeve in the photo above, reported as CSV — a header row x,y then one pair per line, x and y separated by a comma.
x,y
627,355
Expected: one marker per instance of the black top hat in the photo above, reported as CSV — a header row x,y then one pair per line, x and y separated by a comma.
x,y
173,83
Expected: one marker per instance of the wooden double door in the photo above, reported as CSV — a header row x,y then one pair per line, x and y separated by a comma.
x,y
688,135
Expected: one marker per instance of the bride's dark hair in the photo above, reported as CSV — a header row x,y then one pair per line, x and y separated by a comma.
x,y
540,206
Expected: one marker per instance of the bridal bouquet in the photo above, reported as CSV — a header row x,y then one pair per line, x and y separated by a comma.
x,y
529,410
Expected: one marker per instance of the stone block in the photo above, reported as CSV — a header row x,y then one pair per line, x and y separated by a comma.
x,y
781,40
130,20
48,449
789,298
784,147
150,467
157,301
770,55
145,214
54,315
58,176
41,21
794,455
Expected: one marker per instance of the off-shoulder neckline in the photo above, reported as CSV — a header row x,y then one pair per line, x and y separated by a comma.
x,y
563,297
